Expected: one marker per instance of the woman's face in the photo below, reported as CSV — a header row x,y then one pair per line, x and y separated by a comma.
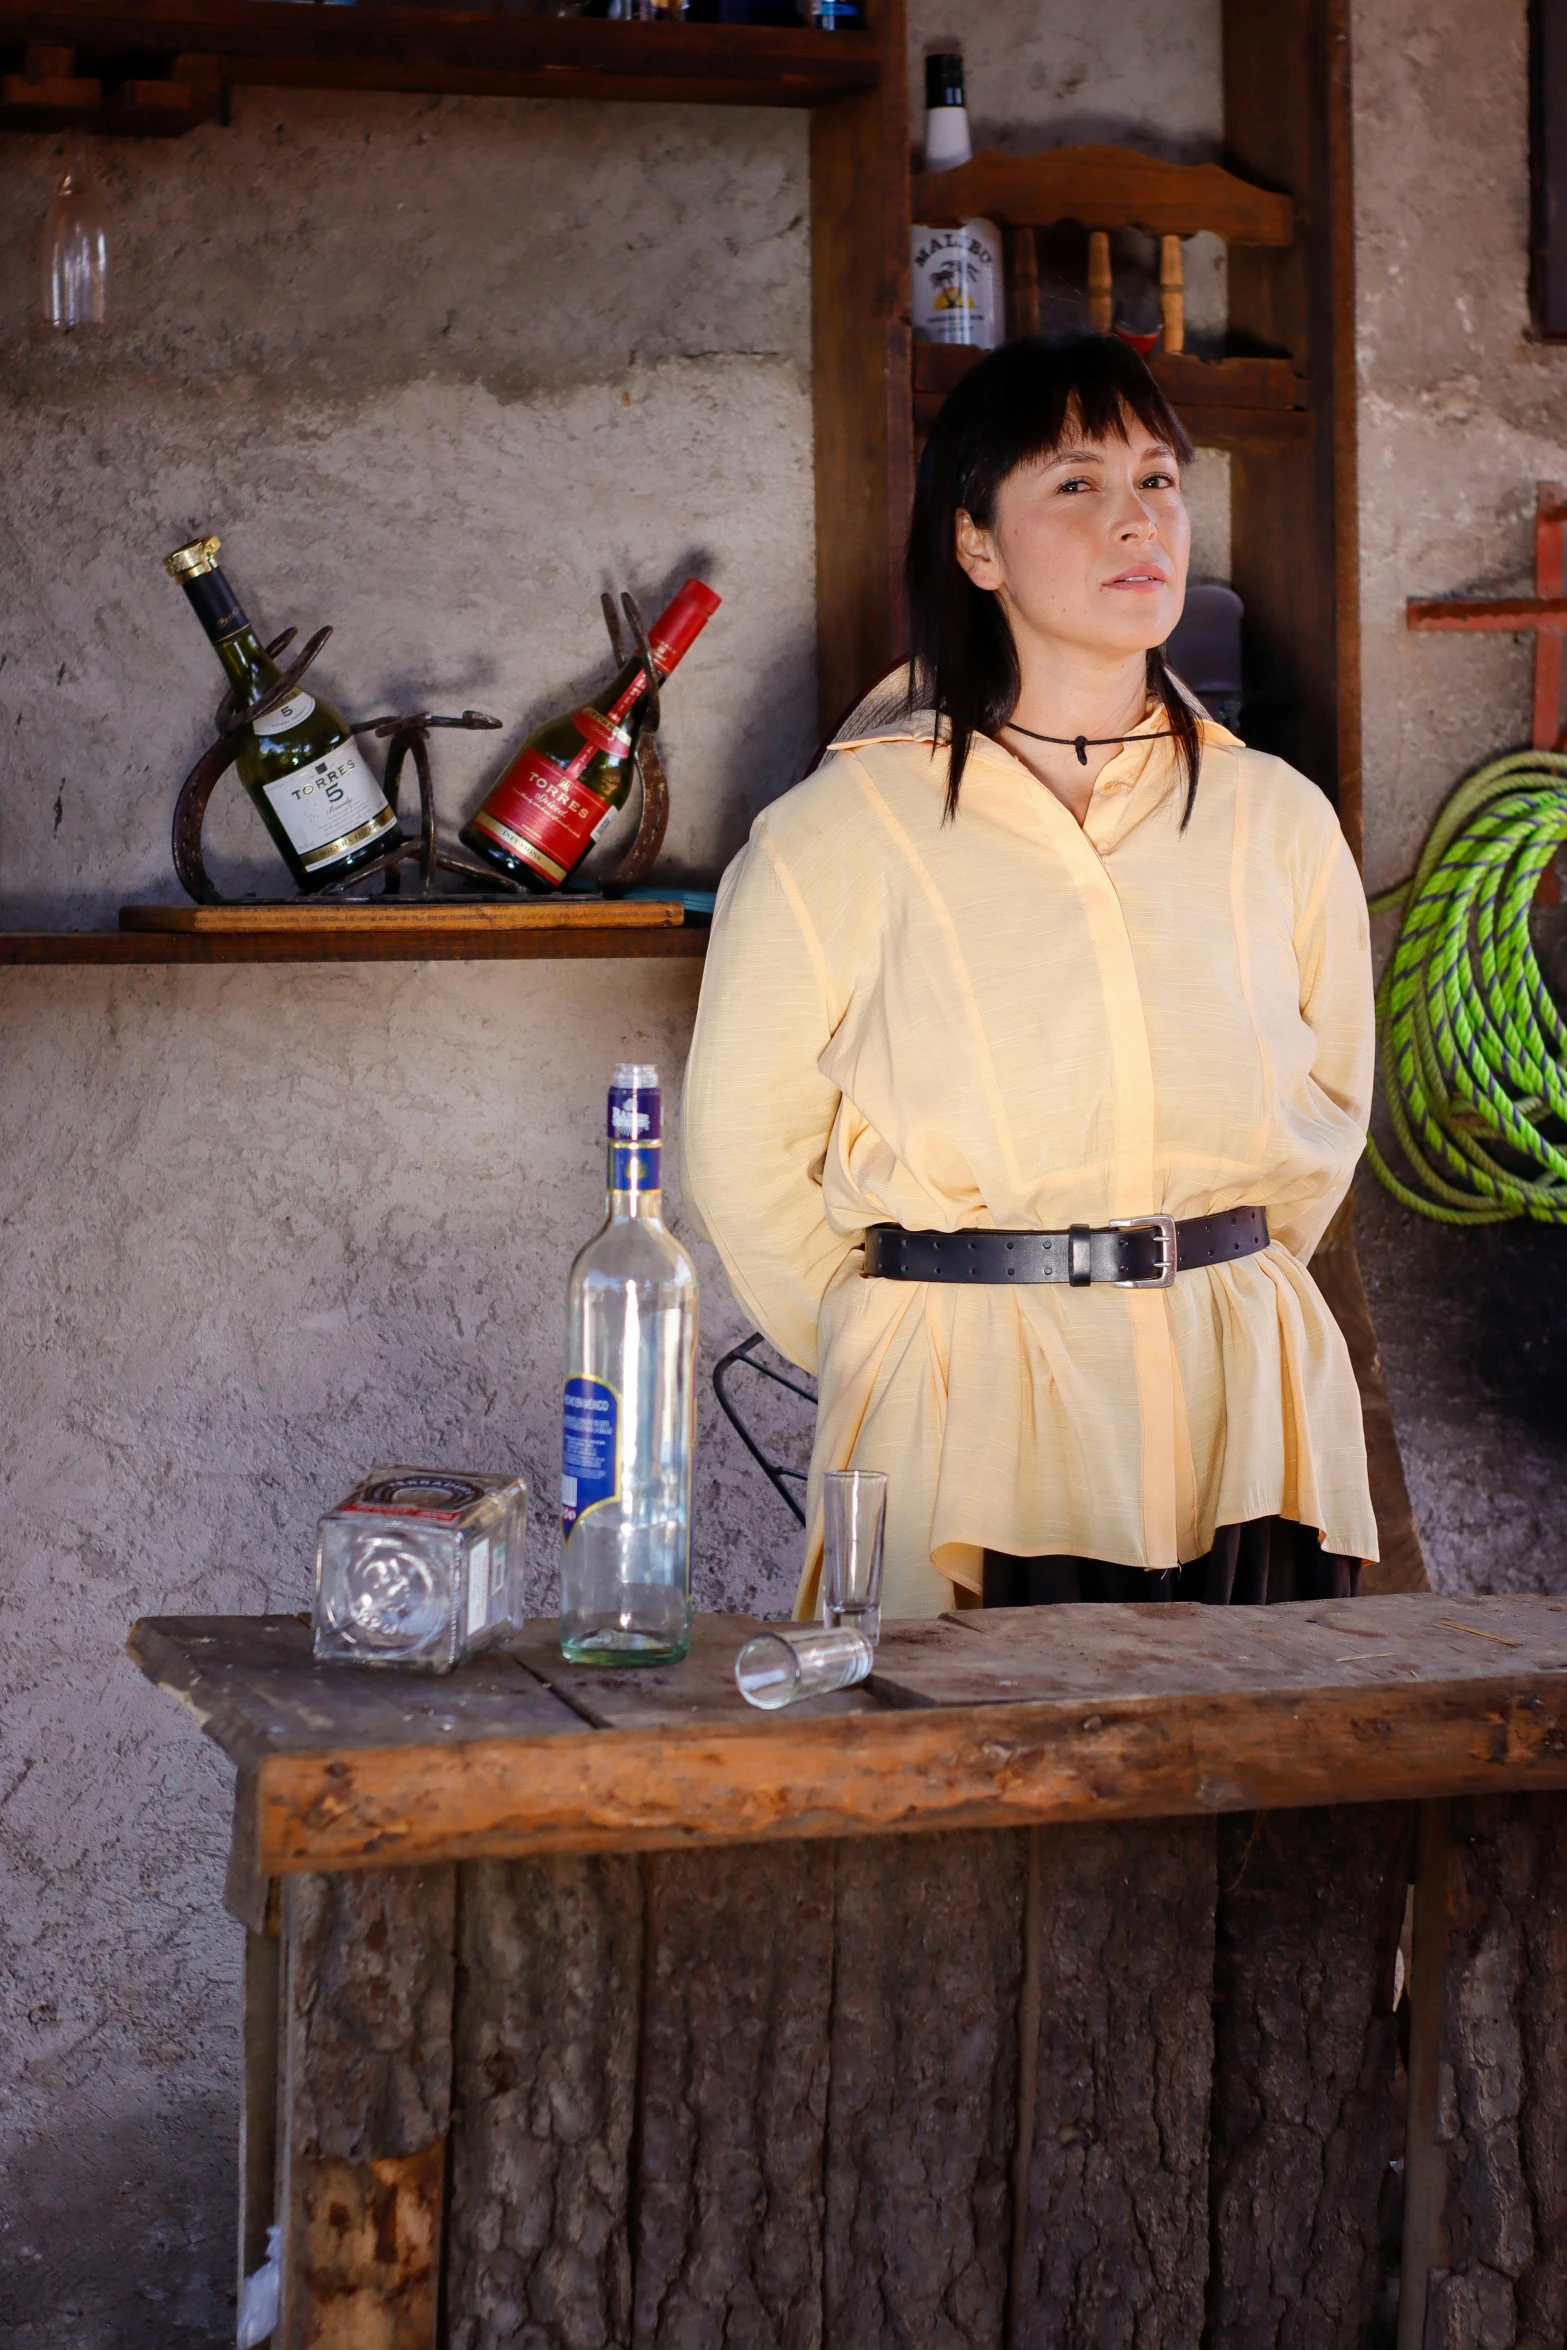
x,y
1089,546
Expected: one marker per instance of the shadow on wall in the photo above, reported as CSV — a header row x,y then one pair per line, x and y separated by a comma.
x,y
120,2236
1472,1331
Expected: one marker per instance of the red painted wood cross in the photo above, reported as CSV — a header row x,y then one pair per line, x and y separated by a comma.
x,y
1545,613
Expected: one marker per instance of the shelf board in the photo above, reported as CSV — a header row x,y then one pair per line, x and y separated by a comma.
x,y
1223,403
456,51
342,934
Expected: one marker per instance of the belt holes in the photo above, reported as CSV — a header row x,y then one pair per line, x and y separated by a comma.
x,y
1011,1272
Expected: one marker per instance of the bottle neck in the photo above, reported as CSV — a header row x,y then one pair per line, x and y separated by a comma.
x,y
947,141
669,640
248,666
633,1177
641,1207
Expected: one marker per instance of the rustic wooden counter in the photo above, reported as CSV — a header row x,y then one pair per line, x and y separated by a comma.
x,y
1047,1991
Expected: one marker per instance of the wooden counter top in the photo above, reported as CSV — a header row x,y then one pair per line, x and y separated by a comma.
x,y
1001,1719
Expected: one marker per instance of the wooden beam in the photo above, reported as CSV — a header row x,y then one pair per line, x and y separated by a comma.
x,y
1293,532
1515,614
860,347
1105,188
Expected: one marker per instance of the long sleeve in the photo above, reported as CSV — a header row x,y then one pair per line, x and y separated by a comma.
x,y
1333,948
757,1111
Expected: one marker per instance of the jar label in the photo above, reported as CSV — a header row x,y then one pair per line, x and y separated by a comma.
x,y
318,804
590,1448
293,712
419,1494
478,1585
543,815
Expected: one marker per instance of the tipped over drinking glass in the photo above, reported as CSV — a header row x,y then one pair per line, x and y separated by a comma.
x,y
789,1662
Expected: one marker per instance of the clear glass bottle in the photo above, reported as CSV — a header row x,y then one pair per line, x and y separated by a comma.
x,y
628,1419
75,255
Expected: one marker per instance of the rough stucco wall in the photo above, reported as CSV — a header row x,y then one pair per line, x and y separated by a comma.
x,y
1460,411
437,372
1460,415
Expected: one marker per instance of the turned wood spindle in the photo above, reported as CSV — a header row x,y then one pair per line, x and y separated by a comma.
x,y
1100,298
1022,254
1172,293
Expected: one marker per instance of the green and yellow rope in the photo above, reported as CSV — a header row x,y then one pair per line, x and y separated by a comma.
x,y
1470,1042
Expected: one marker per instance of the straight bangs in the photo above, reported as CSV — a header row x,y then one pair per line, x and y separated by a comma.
x,y
1017,407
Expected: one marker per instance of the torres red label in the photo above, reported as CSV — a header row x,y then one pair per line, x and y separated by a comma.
x,y
541,813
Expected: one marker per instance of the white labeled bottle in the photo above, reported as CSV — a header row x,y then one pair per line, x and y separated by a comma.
x,y
957,275
628,1418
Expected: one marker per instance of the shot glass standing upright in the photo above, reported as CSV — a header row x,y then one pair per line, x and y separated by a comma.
x,y
854,1509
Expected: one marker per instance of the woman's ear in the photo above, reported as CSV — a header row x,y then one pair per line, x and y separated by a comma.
x,y
976,552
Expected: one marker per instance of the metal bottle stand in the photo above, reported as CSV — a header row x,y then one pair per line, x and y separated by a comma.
x,y
410,735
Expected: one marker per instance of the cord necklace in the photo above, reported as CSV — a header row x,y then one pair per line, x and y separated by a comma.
x,y
1082,743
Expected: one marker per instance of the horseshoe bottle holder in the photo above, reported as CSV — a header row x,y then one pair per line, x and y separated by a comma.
x,y
410,736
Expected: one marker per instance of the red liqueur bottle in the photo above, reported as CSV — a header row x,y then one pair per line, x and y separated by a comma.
x,y
569,778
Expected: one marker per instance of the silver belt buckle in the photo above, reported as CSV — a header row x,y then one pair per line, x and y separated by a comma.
x,y
1165,1227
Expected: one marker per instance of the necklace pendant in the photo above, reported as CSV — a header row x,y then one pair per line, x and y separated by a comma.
x,y
1081,748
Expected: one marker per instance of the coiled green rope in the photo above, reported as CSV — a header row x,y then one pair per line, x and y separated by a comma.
x,y
1470,1041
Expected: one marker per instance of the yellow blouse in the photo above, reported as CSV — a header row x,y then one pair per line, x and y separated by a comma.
x,y
1013,1021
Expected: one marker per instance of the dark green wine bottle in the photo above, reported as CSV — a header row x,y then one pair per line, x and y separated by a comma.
x,y
316,795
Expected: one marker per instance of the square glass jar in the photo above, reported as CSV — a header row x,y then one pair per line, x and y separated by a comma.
x,y
420,1568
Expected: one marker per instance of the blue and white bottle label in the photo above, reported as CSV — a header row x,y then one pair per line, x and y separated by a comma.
x,y
636,1135
590,1448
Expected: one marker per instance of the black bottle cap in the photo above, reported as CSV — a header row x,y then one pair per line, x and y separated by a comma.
x,y
215,604
944,79
207,591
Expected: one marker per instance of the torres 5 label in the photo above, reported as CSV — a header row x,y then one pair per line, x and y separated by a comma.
x,y
319,803
590,1448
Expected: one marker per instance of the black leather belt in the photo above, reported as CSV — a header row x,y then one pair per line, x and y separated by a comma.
x,y
1134,1252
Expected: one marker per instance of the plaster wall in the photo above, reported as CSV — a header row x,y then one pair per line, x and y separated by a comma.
x,y
438,372
1461,413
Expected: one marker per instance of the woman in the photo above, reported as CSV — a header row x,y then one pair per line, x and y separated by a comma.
x,y
1038,949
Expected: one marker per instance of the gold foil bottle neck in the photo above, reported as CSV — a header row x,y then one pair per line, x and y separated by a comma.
x,y
192,561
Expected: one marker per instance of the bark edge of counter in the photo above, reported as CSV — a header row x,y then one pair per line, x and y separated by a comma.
x,y
1015,1766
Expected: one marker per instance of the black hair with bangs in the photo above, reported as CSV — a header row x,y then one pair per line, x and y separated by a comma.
x,y
1016,405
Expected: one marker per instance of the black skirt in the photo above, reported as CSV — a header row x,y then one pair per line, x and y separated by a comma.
x,y
1253,1565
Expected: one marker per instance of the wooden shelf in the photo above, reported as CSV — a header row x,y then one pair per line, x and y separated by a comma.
x,y
1223,403
342,934
124,42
